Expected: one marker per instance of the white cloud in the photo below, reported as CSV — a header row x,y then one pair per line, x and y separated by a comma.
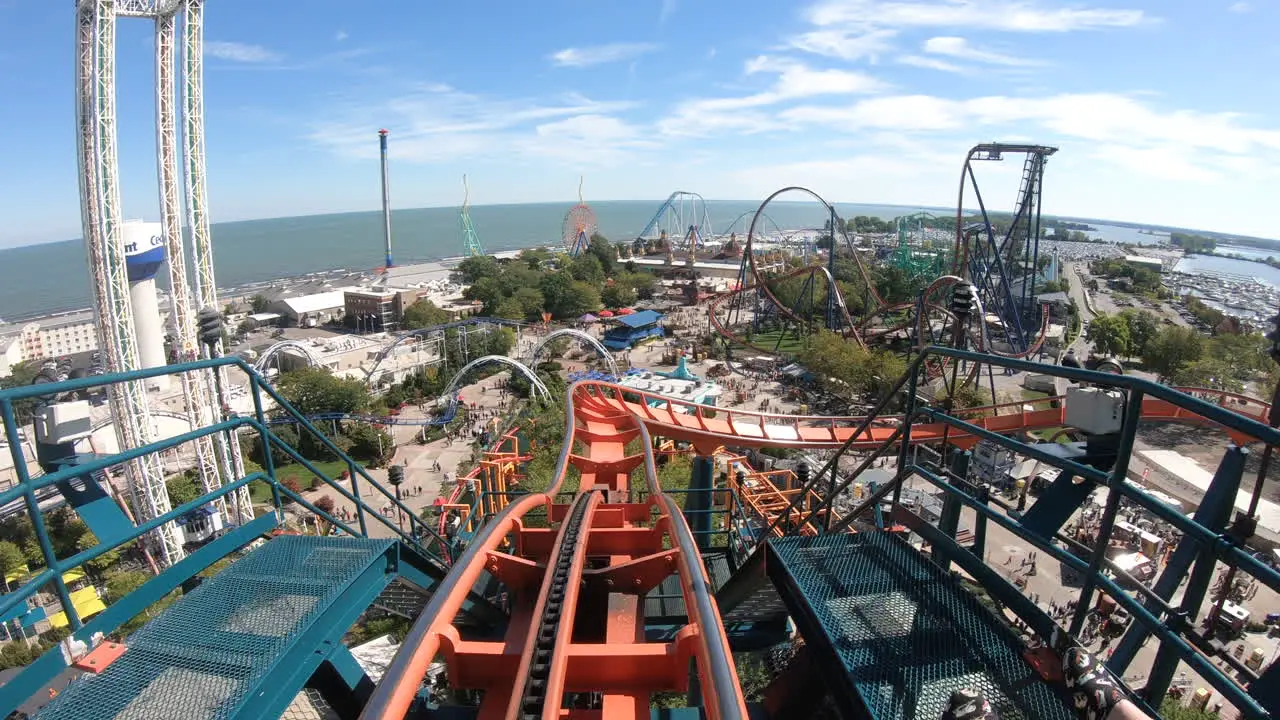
x,y
669,8
795,80
1008,15
436,123
958,47
1098,117
1240,7
846,44
240,52
930,63
341,35
857,29
600,54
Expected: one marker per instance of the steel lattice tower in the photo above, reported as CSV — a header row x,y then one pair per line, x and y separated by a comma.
x,y
102,219
470,241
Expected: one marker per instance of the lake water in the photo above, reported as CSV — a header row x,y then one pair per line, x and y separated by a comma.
x,y
1215,264
39,279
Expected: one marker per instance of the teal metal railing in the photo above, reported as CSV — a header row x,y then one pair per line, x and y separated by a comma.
x,y
1157,615
420,536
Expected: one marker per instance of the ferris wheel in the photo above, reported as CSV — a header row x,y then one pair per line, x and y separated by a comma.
x,y
579,225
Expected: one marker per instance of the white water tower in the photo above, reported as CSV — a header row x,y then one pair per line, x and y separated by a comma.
x,y
144,256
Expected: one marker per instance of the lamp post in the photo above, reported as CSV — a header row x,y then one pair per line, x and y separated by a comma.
x,y
395,476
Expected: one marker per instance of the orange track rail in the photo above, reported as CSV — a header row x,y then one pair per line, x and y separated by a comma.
x,y
599,644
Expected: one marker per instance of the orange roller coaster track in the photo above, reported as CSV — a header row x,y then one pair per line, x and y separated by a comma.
x,y
577,619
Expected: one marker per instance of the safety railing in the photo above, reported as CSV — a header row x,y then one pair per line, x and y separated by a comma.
x,y
420,537
1158,616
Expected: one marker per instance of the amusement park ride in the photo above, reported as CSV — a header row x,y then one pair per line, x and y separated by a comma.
x,y
586,599
545,602
579,225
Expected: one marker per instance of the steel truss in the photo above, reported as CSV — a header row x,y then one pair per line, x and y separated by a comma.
x,y
218,460
101,218
1004,268
681,220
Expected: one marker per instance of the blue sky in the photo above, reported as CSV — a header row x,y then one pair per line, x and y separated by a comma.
x,y
1165,112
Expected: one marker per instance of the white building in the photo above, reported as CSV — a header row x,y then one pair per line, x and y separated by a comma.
x,y
10,353
58,336
312,310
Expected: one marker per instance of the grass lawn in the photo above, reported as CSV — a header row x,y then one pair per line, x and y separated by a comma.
x,y
261,492
790,343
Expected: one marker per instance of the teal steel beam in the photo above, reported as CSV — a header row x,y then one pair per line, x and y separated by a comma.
x,y
264,437
1031,451
1198,662
49,665
57,567
107,461
1220,502
1203,408
291,452
1119,473
1207,514
272,693
27,490
97,509
697,504
343,684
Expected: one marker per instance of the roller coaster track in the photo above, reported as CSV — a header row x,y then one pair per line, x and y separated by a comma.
x,y
538,662
545,658
573,622
755,281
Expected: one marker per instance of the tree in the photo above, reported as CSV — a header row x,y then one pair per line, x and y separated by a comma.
x,y
316,391
22,374
587,268
509,309
604,251
259,303
1143,326
424,313
642,282
1173,709
567,298
617,295
475,267
182,489
894,285
530,300
324,504
846,369
104,562
122,583
1110,335
1208,372
1172,348
487,290
11,557
370,444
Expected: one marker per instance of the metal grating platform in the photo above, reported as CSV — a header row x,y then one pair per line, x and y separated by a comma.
x,y
905,633
666,601
203,655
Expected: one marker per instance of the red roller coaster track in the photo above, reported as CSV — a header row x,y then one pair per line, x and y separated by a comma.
x,y
578,626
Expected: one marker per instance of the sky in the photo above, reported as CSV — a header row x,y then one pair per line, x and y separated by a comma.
x,y
1163,112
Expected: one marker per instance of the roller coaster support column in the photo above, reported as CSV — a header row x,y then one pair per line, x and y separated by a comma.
x,y
949,520
832,324
697,508
1119,474
1213,513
